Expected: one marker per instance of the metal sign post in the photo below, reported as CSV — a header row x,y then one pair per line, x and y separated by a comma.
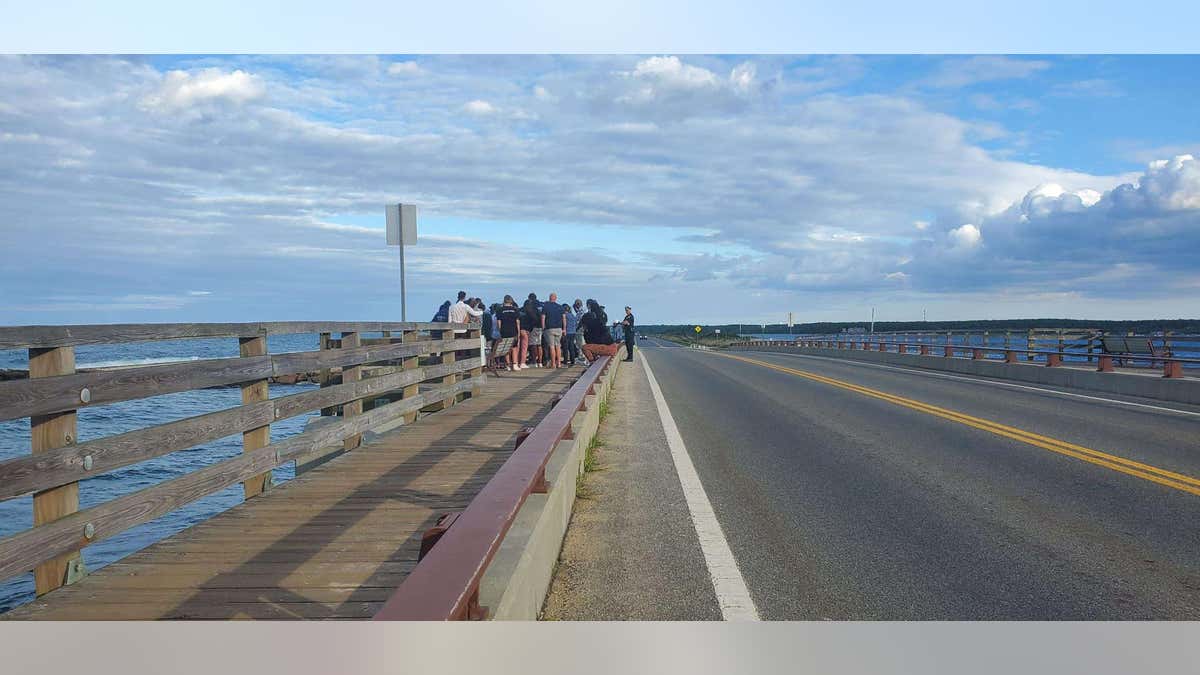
x,y
402,231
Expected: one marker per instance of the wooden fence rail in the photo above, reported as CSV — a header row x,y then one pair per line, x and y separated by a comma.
x,y
405,357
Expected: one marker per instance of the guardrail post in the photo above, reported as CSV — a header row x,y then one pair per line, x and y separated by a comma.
x,y
477,373
48,432
411,363
883,346
351,374
948,351
1172,369
1053,360
924,350
324,378
977,355
1105,364
448,356
259,437
1010,356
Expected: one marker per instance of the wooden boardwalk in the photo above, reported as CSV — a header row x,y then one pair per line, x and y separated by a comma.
x,y
331,544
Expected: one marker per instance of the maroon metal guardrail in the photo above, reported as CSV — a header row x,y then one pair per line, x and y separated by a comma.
x,y
444,586
1172,365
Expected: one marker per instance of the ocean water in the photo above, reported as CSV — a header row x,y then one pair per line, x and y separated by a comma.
x,y
100,421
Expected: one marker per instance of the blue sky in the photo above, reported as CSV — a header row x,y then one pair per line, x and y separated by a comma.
x,y
698,189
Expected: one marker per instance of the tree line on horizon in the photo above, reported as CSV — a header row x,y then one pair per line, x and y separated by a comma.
x,y
1141,326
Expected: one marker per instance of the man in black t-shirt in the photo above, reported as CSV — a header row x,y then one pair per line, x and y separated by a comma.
x,y
627,324
509,317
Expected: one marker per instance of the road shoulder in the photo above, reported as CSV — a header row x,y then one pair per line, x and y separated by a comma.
x,y
631,550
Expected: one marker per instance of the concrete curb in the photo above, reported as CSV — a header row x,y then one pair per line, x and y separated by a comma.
x,y
1185,390
515,584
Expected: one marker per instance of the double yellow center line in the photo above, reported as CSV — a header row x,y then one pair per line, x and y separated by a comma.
x,y
1129,467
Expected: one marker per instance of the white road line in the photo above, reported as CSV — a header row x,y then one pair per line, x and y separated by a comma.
x,y
975,380
732,594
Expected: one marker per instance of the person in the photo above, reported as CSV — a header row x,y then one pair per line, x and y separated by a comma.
x,y
461,311
579,312
628,324
533,309
526,323
509,318
554,322
597,340
443,313
485,323
570,348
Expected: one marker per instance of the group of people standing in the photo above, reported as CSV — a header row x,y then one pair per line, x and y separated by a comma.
x,y
544,334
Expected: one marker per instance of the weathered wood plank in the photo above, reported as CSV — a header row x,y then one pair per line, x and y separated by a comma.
x,y
23,398
258,437
22,337
351,375
351,526
42,396
52,468
25,550
48,432
411,364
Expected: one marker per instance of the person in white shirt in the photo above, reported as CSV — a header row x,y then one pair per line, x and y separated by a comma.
x,y
460,310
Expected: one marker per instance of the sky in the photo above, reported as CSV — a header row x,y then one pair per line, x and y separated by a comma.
x,y
698,189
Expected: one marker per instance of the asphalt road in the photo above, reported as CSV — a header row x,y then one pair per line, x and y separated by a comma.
x,y
842,504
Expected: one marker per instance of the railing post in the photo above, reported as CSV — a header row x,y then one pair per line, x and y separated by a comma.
x,y
1010,356
477,373
448,356
1030,345
411,363
1172,369
924,350
948,351
977,354
1105,364
351,374
1061,344
1053,360
324,378
259,437
48,432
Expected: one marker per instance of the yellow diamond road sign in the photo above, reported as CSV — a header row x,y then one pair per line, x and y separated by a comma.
x,y
698,329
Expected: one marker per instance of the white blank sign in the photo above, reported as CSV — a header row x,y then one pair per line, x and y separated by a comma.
x,y
401,224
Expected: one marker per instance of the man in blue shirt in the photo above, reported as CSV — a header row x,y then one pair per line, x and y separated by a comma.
x,y
572,349
553,324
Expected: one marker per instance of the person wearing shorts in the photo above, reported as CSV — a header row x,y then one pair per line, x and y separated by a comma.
x,y
533,310
554,322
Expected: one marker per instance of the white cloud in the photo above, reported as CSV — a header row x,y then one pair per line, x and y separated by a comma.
x,y
961,72
828,192
479,107
742,77
404,68
965,237
671,72
182,89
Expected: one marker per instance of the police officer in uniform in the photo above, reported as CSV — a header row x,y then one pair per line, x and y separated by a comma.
x,y
630,337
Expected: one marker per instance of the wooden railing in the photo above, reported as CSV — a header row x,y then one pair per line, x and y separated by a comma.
x,y
401,356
